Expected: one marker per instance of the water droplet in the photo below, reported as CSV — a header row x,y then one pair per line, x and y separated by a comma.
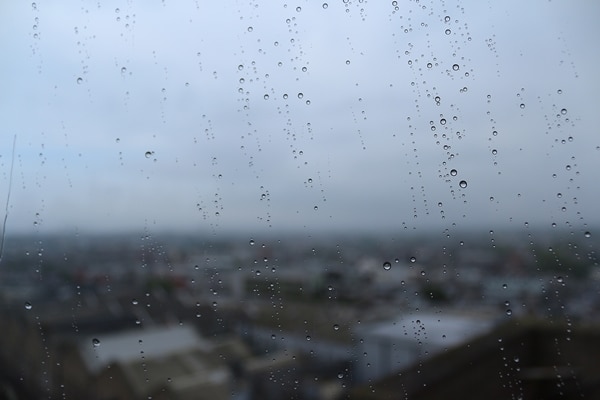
x,y
413,259
300,95
28,306
315,208
134,302
336,327
509,312
240,67
387,265
494,151
285,96
462,184
347,62
563,111
148,154
123,70
447,31
298,9
251,242
522,105
95,342
79,81
325,5
250,29
559,279
447,18
587,234
455,67
266,97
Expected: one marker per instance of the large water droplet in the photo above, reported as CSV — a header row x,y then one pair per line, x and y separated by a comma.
x,y
95,342
455,67
462,184
587,234
325,5
28,306
79,81
387,265
148,154
453,172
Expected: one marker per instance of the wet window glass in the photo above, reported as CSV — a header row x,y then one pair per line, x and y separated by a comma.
x,y
311,200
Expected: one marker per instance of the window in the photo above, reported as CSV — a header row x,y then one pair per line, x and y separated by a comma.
x,y
298,199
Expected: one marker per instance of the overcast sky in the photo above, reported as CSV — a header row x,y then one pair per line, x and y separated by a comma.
x,y
302,115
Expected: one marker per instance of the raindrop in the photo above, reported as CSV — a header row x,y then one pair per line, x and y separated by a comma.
x,y
462,184
413,259
448,31
455,67
347,62
298,9
123,70
447,18
300,95
315,208
28,306
559,279
587,234
307,337
336,327
240,67
494,151
250,29
387,265
266,97
148,154
285,96
443,121
522,105
325,5
453,172
134,302
251,242
95,342
563,111
79,81
509,312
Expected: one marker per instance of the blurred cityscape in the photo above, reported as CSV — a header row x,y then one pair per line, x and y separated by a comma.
x,y
500,315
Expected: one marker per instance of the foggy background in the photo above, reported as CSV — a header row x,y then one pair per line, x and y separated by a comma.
x,y
299,116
